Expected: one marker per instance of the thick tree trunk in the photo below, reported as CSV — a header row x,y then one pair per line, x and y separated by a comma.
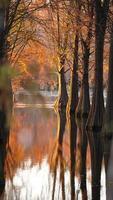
x,y
74,78
95,119
85,83
82,111
108,126
85,107
63,96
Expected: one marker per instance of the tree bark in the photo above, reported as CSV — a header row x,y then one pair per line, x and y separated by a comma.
x,y
74,78
108,125
63,96
85,82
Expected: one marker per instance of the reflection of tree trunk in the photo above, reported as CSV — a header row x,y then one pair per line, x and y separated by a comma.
x,y
63,96
82,144
84,114
95,119
83,155
55,175
62,178
74,78
5,93
73,135
73,106
5,122
108,126
57,155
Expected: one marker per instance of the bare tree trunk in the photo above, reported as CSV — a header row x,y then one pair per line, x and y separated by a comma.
x,y
95,119
74,78
108,126
63,96
85,82
85,107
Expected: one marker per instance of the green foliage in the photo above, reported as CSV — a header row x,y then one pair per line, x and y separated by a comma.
x,y
6,73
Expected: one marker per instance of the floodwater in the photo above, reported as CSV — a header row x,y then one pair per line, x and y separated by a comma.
x,y
38,161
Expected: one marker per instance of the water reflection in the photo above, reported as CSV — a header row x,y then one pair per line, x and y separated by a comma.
x,y
32,135
73,136
42,158
57,159
109,171
5,122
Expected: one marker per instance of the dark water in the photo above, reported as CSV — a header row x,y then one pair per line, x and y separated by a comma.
x,y
38,157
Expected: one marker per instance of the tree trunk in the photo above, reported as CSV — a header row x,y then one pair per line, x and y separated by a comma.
x,y
95,119
5,94
108,126
74,78
63,96
85,107
85,83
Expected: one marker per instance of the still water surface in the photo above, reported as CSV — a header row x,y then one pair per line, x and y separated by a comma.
x,y
38,157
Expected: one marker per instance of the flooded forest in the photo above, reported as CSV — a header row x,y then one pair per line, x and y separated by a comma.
x,y
56,99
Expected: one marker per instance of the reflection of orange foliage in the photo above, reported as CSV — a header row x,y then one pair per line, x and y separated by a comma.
x,y
15,156
17,150
42,137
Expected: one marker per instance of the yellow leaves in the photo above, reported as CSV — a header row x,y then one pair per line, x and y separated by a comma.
x,y
23,68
